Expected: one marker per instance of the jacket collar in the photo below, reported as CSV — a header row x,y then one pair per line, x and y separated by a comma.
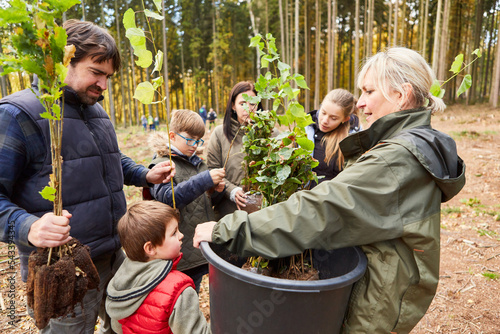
x,y
384,128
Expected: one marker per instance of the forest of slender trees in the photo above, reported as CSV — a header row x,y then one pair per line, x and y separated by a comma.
x,y
205,45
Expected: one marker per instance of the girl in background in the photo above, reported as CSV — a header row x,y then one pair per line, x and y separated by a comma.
x,y
332,122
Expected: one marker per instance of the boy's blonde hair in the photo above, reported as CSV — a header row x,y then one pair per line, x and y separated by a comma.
x,y
144,221
187,121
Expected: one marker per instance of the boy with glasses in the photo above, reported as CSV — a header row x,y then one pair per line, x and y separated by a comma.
x,y
194,186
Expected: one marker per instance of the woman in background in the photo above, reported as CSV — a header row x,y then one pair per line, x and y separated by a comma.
x,y
220,149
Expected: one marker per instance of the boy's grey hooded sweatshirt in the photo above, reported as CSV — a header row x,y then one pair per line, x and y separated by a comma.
x,y
132,283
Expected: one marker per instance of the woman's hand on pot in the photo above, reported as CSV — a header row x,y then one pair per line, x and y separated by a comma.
x,y
240,199
203,232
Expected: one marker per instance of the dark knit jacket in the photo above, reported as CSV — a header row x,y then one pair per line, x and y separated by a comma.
x,y
191,181
92,173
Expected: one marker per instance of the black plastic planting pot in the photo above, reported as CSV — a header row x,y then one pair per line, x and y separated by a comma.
x,y
242,302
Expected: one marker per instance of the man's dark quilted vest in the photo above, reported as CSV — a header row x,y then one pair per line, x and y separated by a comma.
x,y
197,212
92,176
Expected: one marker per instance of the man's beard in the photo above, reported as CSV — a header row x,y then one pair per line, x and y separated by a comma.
x,y
89,100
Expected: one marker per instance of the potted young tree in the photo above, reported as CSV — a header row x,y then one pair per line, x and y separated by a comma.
x,y
246,302
58,277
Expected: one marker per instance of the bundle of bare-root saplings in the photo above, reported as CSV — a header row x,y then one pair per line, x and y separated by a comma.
x,y
58,279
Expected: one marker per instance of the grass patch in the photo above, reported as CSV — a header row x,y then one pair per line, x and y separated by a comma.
x,y
472,202
466,134
483,232
492,276
450,209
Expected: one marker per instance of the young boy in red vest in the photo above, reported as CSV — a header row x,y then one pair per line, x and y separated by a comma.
x,y
147,293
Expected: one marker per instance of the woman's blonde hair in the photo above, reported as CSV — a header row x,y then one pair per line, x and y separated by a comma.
x,y
395,67
346,101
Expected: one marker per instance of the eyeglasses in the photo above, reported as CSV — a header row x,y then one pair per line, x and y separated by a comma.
x,y
192,142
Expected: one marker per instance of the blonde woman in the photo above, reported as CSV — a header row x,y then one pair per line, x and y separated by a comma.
x,y
336,118
387,200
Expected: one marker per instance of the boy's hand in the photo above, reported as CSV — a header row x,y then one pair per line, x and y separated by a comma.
x,y
217,175
203,232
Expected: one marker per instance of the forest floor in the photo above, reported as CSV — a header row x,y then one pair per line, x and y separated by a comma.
x,y
467,297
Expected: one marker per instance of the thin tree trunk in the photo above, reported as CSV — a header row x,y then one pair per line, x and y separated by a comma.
x,y
317,56
129,96
122,88
443,52
111,104
134,83
184,91
395,34
389,25
255,32
3,77
403,24
488,56
296,62
165,61
216,65
356,51
371,17
329,35
283,32
334,41
437,42
290,33
424,39
496,77
307,50
477,40
84,17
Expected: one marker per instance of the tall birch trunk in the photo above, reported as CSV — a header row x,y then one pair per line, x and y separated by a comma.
x,y
165,61
437,41
356,51
496,77
317,56
283,32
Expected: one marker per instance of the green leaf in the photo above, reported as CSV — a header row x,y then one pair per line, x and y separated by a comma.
x,y
47,115
301,82
297,109
61,71
304,121
251,99
457,64
153,15
436,88
283,66
145,92
16,13
158,61
254,41
305,143
60,37
157,82
62,6
56,111
48,193
466,83
158,5
145,58
129,19
477,52
283,172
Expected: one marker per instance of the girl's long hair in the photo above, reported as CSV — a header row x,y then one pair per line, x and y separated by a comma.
x,y
345,100
240,87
